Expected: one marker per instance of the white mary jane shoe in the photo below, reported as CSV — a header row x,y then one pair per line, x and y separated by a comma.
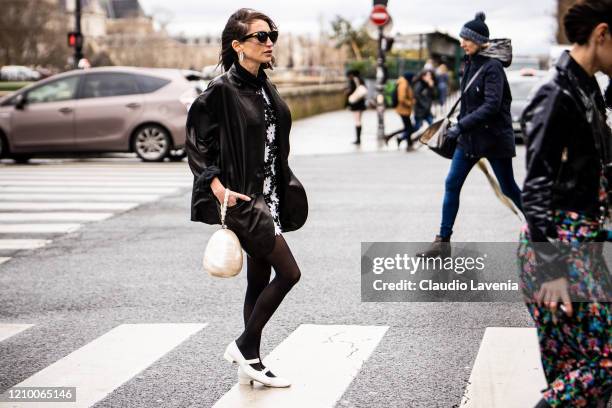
x,y
248,374
261,377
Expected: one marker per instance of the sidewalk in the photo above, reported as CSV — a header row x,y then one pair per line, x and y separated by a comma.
x,y
334,132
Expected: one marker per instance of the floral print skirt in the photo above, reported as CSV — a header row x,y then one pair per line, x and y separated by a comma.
x,y
575,350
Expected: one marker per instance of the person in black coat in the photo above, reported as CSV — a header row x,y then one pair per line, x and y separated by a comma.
x,y
484,128
238,142
424,94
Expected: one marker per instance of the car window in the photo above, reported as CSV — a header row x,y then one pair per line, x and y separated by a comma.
x,y
60,90
522,89
149,84
108,84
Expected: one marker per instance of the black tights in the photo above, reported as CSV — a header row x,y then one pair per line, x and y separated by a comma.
x,y
264,296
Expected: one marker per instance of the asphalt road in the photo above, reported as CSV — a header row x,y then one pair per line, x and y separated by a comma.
x,y
143,266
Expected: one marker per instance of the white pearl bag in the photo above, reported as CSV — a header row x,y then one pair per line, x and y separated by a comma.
x,y
223,253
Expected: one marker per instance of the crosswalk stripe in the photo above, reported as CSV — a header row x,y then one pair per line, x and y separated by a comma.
x,y
508,361
101,183
38,228
66,205
93,176
324,358
86,190
53,216
3,260
99,367
17,244
10,329
78,197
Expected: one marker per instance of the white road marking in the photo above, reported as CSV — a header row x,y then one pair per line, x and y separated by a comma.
x,y
67,206
101,183
87,190
17,244
99,367
3,260
9,329
38,228
320,360
91,176
78,197
53,216
507,371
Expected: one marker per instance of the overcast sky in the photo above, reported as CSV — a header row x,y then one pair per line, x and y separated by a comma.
x,y
529,23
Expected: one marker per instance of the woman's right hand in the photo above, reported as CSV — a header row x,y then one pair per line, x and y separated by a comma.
x,y
218,190
232,200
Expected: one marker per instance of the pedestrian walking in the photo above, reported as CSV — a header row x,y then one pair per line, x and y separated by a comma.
x,y
424,94
442,79
238,140
356,94
484,128
565,197
405,104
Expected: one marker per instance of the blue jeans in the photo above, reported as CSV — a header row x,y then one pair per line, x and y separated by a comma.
x,y
460,168
418,122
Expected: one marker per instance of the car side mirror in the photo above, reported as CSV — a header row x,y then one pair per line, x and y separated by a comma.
x,y
20,101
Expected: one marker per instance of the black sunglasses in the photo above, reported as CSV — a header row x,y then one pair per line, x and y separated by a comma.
x,y
262,36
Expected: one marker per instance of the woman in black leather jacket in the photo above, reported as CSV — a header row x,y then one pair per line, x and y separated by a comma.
x,y
238,139
565,200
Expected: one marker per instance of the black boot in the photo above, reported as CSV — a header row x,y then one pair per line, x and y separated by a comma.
x,y
358,134
439,248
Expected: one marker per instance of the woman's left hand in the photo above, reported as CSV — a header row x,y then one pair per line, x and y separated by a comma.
x,y
552,292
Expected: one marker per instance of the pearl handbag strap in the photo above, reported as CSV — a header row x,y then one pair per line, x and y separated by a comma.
x,y
224,207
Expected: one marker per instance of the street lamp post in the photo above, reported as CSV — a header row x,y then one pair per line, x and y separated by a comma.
x,y
78,47
380,86
381,20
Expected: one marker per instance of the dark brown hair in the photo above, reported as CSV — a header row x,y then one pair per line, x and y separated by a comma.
x,y
237,26
582,18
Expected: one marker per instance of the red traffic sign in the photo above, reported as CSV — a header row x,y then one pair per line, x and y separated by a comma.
x,y
379,15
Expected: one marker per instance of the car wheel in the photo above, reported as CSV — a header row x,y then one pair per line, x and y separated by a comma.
x,y
3,146
20,158
177,155
151,143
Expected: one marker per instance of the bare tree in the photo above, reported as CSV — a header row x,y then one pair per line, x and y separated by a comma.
x,y
32,32
358,40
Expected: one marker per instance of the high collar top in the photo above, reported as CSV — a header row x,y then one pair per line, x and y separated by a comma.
x,y
247,78
585,81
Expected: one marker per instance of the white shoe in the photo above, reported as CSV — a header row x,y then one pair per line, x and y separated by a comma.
x,y
249,374
234,355
261,377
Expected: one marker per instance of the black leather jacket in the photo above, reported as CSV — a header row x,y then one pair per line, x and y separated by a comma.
x,y
568,145
225,138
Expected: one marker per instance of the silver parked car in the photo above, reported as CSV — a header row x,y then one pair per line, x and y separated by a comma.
x,y
111,109
523,85
18,73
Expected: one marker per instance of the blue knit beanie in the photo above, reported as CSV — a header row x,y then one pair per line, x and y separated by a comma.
x,y
476,30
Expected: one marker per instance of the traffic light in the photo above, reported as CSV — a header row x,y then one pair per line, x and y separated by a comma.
x,y
75,39
381,2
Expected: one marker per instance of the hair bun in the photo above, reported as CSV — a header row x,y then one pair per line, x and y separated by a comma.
x,y
481,16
